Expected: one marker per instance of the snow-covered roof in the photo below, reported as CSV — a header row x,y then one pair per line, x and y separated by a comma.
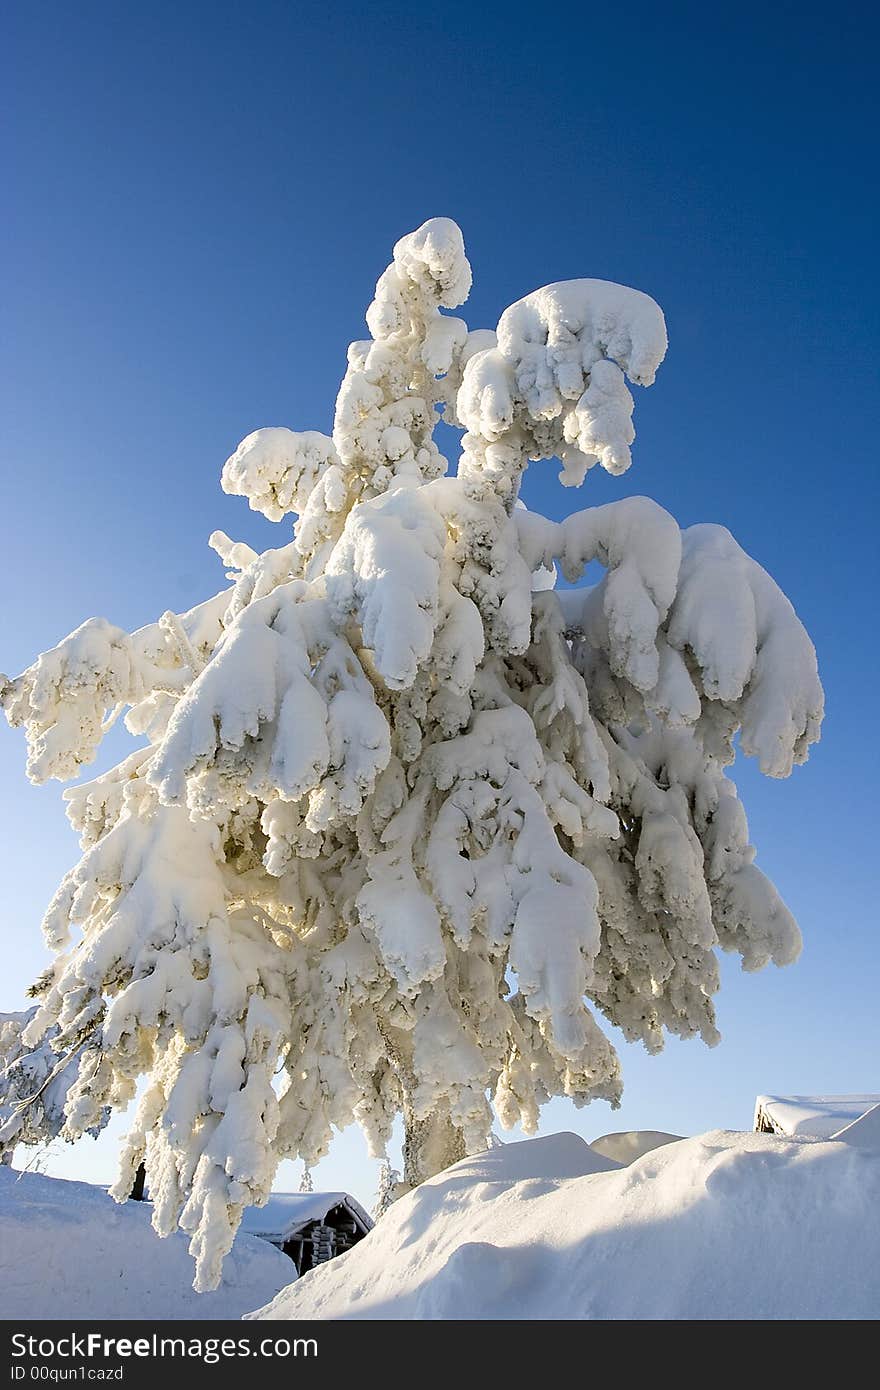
x,y
812,1117
285,1213
864,1132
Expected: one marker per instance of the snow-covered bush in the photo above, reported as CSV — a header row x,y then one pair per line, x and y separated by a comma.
x,y
408,817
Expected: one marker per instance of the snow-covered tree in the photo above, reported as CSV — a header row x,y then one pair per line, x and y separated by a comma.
x,y
389,1189
407,817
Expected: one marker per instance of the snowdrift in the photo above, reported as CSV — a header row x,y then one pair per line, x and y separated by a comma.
x,y
724,1226
626,1145
552,1156
68,1251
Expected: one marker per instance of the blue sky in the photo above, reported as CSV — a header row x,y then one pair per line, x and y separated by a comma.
x,y
200,200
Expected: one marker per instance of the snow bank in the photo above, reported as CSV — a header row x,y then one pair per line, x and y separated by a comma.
x,y
68,1251
626,1145
553,1156
724,1226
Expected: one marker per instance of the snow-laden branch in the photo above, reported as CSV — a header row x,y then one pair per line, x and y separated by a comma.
x,y
751,648
640,546
277,469
555,383
281,707
397,533
63,699
35,1084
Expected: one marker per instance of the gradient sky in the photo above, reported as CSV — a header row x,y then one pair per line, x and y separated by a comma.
x,y
200,198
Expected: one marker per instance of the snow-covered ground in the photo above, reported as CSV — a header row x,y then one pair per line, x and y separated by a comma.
x,y
68,1251
726,1225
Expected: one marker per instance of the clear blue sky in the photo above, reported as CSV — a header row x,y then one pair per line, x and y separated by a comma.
x,y
200,199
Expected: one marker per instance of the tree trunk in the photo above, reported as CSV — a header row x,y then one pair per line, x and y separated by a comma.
x,y
429,1146
140,1181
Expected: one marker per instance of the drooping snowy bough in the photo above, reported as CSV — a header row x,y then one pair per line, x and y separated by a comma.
x,y
34,1086
407,817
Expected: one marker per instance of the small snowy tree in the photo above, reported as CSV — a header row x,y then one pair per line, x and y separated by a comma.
x,y
407,816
